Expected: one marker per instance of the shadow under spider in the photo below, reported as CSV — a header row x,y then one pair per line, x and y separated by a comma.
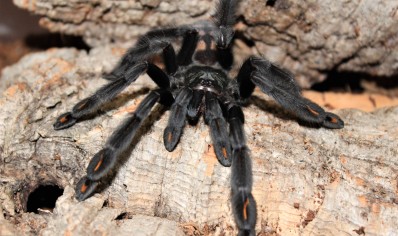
x,y
114,103
155,115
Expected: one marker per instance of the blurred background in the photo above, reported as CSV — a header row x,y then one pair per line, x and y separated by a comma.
x,y
15,25
20,34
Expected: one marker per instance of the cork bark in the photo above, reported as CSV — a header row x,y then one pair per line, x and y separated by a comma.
x,y
307,181
310,38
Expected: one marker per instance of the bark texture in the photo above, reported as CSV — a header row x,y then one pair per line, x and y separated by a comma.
x,y
308,37
307,181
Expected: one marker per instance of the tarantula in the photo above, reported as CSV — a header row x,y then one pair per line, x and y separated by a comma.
x,y
193,82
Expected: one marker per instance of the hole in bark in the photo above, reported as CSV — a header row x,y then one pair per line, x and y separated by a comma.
x,y
43,198
271,3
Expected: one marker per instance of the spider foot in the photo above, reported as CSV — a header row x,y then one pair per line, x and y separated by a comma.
x,y
171,137
222,147
64,121
332,121
245,212
246,233
223,153
85,188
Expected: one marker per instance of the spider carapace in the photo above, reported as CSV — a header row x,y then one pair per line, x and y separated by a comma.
x,y
194,82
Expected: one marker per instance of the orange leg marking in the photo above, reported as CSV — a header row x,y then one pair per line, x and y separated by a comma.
x,y
81,106
63,119
83,188
99,164
169,136
333,120
245,208
315,113
224,152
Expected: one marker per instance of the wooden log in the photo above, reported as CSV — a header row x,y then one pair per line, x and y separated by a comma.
x,y
311,38
307,181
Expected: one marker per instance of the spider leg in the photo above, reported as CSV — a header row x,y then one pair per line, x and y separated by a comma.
x,y
225,20
148,45
225,58
194,104
243,203
281,85
170,59
188,47
89,105
218,129
85,188
176,123
104,160
158,76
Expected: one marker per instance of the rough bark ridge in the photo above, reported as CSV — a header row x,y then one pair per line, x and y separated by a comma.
x,y
307,181
308,37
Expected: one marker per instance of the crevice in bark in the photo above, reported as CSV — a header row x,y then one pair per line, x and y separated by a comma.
x,y
124,216
354,82
270,3
49,40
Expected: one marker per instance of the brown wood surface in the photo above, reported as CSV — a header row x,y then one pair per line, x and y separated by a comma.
x,y
308,37
307,181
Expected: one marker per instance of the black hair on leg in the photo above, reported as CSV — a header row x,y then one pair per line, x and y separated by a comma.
x,y
188,48
148,45
104,160
218,129
91,104
195,103
176,123
281,85
225,19
243,203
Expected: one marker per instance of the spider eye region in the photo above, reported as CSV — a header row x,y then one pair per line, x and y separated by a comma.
x,y
207,79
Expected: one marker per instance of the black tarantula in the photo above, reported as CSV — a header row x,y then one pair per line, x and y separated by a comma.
x,y
194,81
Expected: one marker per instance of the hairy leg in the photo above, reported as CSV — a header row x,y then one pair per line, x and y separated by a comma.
x,y
188,48
176,123
281,85
225,20
148,45
243,203
109,91
218,129
104,160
